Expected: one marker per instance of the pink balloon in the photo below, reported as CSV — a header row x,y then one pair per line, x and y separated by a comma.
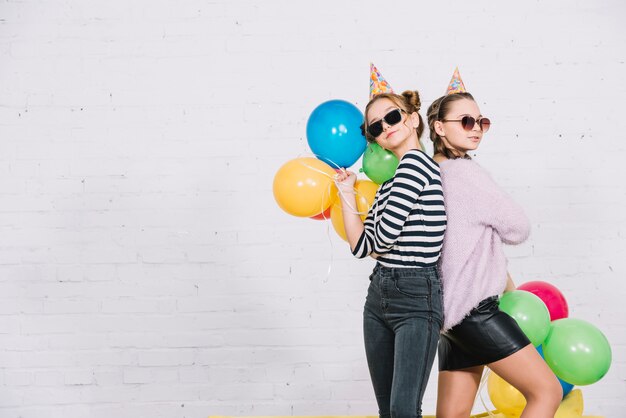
x,y
550,295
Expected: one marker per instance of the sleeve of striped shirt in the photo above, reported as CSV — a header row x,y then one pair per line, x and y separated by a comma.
x,y
412,175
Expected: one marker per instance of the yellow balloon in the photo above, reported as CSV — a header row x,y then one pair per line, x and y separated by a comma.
x,y
571,406
304,187
511,402
365,193
505,397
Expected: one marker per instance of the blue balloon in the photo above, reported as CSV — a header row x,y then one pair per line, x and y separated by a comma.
x,y
567,387
334,135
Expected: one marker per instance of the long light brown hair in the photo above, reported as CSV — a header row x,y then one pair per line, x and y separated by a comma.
x,y
438,111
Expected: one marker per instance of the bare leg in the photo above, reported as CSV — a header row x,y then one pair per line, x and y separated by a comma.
x,y
456,392
530,374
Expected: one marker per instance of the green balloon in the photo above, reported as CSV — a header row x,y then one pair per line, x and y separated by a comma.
x,y
379,164
577,352
530,313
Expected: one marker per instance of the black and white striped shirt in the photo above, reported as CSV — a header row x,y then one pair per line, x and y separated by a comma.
x,y
406,223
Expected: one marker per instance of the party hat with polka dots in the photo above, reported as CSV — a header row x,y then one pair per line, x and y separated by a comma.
x,y
456,84
378,84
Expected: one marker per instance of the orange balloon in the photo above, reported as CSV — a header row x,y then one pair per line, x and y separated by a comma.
x,y
304,187
365,193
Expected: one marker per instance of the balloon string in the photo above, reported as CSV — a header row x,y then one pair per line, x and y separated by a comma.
x,y
352,209
332,163
317,170
323,209
483,382
332,249
334,177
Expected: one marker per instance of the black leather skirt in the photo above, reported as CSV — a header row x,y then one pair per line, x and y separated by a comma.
x,y
486,335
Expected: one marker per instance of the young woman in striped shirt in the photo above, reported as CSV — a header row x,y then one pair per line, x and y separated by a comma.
x,y
404,232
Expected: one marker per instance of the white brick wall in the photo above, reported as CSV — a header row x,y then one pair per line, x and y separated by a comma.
x,y
145,269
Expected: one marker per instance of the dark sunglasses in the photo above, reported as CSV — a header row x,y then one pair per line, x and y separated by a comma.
x,y
391,118
468,122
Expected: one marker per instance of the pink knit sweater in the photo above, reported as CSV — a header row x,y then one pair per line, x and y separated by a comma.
x,y
481,216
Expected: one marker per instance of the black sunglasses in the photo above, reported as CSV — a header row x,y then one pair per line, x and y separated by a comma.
x,y
391,118
468,122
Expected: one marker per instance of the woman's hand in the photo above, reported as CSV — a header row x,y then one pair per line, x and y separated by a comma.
x,y
344,180
352,223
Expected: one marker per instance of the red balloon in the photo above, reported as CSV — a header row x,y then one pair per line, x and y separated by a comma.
x,y
322,216
550,295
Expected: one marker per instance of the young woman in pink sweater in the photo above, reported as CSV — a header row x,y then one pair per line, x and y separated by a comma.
x,y
481,217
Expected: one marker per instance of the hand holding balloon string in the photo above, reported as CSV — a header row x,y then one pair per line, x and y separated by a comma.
x,y
345,181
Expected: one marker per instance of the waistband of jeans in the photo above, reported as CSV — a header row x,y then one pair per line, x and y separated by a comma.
x,y
406,271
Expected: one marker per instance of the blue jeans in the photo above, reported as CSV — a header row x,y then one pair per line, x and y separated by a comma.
x,y
402,318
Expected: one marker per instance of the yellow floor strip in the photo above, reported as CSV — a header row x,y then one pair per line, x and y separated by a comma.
x,y
571,407
494,414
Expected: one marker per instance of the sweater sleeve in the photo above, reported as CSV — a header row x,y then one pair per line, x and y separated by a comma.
x,y
499,211
412,175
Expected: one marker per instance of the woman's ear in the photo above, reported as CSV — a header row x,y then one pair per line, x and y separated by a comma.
x,y
438,125
415,120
